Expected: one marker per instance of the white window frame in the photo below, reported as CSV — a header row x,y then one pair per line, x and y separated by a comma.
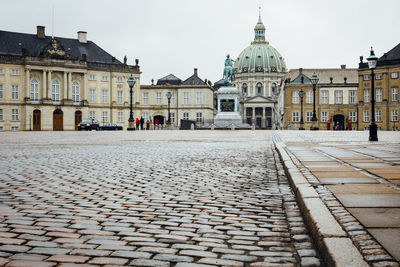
x,y
185,97
295,97
1,71
378,115
1,114
378,95
395,115
295,116
92,114
199,117
338,97
145,116
55,91
14,128
378,76
366,77
120,116
352,97
14,92
76,92
104,94
309,116
14,114
1,91
92,95
395,94
309,97
324,116
105,116
104,78
172,117
199,97
146,98
185,115
119,79
158,98
34,86
324,97
366,116
394,75
92,77
366,96
120,96
353,116
14,72
172,98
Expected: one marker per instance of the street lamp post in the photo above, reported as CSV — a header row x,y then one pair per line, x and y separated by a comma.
x,y
169,95
373,128
301,94
131,82
314,121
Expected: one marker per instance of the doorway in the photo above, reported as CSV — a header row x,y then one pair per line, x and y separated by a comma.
x,y
57,120
36,120
338,120
78,119
160,119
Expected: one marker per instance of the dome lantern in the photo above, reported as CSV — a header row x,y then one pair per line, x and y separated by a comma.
x,y
259,30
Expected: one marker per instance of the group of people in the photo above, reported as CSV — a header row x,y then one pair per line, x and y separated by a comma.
x,y
140,124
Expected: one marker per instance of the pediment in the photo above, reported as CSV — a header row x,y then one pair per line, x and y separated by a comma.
x,y
260,99
55,50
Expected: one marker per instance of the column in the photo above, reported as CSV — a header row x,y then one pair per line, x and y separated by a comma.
x,y
253,116
44,85
69,85
27,84
65,86
263,120
49,85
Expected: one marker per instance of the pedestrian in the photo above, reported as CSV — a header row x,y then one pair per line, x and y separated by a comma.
x,y
137,123
141,123
147,125
156,122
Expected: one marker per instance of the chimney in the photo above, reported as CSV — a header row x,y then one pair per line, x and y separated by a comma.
x,y
343,67
195,71
82,37
40,32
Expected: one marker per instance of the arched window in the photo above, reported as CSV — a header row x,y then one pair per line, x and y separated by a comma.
x,y
259,89
34,90
244,89
75,92
55,91
273,88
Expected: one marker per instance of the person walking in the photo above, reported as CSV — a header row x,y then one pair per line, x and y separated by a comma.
x,y
141,123
147,125
137,123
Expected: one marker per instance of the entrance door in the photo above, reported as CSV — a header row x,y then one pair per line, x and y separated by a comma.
x,y
57,120
160,119
36,120
338,120
258,122
78,118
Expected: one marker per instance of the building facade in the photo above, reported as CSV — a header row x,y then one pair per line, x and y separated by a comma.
x,y
336,98
191,99
387,84
52,83
258,72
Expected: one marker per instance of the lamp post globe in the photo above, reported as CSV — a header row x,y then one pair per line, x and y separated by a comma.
x,y
169,95
373,128
314,121
301,94
131,82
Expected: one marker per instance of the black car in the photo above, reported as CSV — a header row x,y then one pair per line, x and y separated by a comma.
x,y
88,125
111,127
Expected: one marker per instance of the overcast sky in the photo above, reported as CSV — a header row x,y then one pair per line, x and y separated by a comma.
x,y
175,36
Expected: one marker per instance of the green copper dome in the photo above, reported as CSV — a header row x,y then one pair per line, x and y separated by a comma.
x,y
259,56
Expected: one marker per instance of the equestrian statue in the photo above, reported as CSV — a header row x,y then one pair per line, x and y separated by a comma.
x,y
228,71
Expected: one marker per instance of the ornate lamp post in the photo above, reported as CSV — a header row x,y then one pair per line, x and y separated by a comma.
x,y
169,95
131,82
314,121
373,128
301,94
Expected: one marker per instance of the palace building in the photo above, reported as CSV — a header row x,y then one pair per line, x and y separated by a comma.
x,y
258,72
51,83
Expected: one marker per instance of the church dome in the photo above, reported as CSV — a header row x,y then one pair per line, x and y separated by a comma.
x,y
259,56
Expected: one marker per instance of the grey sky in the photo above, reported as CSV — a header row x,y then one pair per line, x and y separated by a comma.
x,y
175,36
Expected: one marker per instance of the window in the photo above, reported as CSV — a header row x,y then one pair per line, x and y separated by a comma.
x,y
92,114
14,91
339,97
1,71
199,117
92,95
120,116
172,98
1,91
259,87
309,97
295,97
34,90
324,97
172,117
366,116
324,116
55,91
393,75
92,77
105,96
199,97
158,98
145,98
14,128
185,97
395,94
378,115
14,114
105,116
395,115
366,95
378,76
352,97
104,78
119,97
308,116
366,77
353,116
119,79
185,115
378,94
295,116
1,114
76,92
244,89
273,88
145,116
1,128
14,72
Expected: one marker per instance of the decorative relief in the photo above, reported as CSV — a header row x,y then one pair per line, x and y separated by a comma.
x,y
55,50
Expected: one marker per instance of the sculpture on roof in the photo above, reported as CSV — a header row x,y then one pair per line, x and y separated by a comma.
x,y
228,71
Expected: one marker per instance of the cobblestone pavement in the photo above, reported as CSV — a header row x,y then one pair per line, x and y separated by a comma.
x,y
159,198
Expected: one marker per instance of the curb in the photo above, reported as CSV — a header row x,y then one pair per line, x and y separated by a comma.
x,y
333,243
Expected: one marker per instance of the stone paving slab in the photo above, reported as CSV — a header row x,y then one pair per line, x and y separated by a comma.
x,y
362,189
328,181
369,200
377,217
389,238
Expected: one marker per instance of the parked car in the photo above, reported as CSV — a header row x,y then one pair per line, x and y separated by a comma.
x,y
88,125
111,127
